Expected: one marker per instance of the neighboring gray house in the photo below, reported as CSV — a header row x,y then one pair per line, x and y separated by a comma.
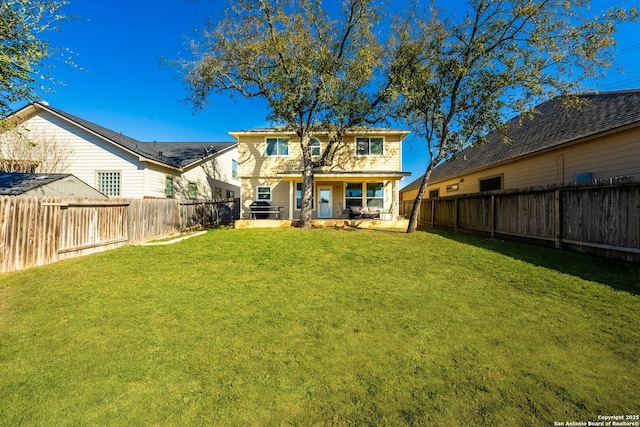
x,y
46,184
120,166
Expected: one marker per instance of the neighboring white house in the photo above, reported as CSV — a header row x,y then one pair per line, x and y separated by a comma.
x,y
120,166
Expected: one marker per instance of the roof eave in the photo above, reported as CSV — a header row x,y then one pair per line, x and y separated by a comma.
x,y
371,131
347,174
569,143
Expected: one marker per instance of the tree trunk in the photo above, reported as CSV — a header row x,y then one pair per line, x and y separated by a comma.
x,y
307,183
415,210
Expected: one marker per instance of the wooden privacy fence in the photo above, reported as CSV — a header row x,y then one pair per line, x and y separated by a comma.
x,y
601,217
37,231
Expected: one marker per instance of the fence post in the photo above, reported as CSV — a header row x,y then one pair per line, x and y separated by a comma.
x,y
433,212
455,213
557,219
492,216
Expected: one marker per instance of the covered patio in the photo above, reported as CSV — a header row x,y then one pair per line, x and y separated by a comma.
x,y
340,195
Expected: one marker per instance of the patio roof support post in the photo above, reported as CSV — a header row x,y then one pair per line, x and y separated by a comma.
x,y
292,198
394,199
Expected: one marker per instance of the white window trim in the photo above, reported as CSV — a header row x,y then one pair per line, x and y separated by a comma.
x,y
362,197
98,186
270,192
266,144
319,146
365,186
235,172
355,147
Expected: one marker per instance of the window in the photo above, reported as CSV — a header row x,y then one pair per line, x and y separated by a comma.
x,y
369,146
315,147
434,193
230,194
299,196
264,193
353,194
217,193
375,195
453,187
192,192
168,187
108,183
490,184
234,169
277,147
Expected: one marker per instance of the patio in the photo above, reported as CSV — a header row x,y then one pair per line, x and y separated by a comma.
x,y
398,224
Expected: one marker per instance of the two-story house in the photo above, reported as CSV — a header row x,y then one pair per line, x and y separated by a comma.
x,y
365,172
115,164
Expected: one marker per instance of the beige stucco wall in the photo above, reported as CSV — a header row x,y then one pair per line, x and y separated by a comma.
x,y
258,169
608,156
254,161
283,194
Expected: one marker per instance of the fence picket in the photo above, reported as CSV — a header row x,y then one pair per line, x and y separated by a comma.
x,y
37,231
600,217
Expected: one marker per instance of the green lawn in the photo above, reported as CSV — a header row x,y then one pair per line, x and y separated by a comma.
x,y
320,327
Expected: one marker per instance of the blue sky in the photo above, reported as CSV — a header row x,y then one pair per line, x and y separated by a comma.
x,y
123,86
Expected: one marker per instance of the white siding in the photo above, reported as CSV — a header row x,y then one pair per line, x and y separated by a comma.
x,y
89,154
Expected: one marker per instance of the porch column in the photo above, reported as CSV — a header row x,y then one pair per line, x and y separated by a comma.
x,y
292,199
396,198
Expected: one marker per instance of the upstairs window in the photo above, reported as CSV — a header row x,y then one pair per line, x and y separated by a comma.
x,y
369,146
234,169
277,147
108,183
316,149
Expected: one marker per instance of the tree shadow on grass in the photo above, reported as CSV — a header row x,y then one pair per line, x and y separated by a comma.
x,y
619,275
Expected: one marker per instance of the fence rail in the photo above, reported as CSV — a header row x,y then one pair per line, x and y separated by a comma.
x,y
37,231
601,218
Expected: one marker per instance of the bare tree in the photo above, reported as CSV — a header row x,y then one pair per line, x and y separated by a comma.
x,y
23,151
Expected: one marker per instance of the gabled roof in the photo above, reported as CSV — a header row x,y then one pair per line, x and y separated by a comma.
x,y
186,153
15,184
176,154
553,125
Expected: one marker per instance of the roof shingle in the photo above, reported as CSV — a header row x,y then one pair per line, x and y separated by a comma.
x,y
552,125
174,154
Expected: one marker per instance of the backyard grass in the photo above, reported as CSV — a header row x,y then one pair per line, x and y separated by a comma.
x,y
321,327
